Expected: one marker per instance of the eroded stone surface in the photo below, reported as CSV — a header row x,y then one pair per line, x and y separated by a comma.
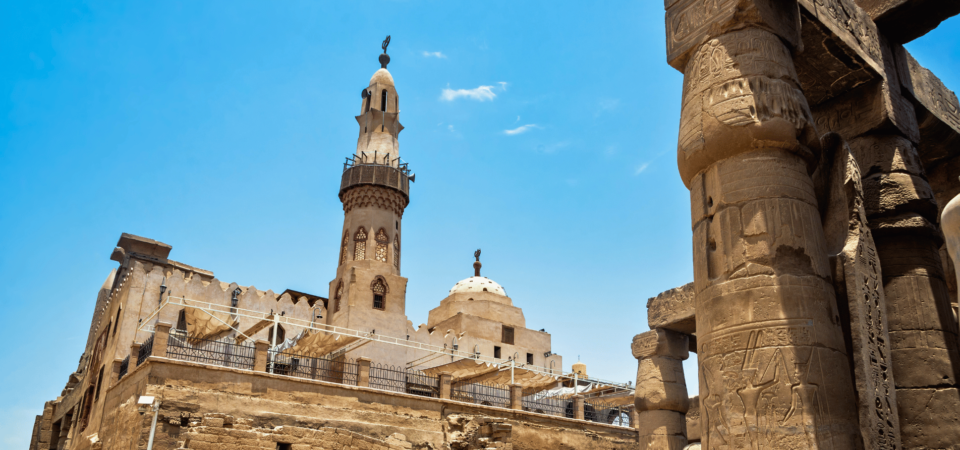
x,y
674,309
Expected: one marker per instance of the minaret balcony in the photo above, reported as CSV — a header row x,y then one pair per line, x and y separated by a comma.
x,y
392,174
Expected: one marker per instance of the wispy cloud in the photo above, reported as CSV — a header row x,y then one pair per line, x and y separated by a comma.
x,y
481,93
438,55
521,129
607,104
551,148
641,168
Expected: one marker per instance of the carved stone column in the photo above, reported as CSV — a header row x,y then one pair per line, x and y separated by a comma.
x,y
661,395
773,367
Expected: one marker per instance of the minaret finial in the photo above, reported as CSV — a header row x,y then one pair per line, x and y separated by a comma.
x,y
384,57
476,265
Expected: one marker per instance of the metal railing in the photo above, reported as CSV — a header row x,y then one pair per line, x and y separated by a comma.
x,y
482,393
548,405
410,381
214,352
145,350
337,370
124,367
383,174
603,412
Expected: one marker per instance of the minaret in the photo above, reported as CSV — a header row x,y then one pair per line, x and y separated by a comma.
x,y
368,292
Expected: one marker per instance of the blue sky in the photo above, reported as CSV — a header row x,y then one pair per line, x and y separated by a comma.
x,y
543,133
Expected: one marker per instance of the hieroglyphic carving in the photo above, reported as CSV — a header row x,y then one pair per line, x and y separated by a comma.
x,y
674,309
692,22
737,79
859,285
851,25
773,368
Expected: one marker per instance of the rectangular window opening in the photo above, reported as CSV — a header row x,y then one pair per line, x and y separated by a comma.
x,y
529,358
507,337
282,446
496,352
378,301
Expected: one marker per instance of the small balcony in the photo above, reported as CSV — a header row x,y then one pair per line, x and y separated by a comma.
x,y
376,171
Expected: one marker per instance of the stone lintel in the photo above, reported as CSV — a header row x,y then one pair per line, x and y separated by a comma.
x,y
937,109
674,309
841,49
905,20
661,342
136,244
690,23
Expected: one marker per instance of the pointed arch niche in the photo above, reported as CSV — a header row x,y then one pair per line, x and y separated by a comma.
x,y
360,245
380,288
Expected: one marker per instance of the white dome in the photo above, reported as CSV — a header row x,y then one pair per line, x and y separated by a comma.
x,y
478,284
383,77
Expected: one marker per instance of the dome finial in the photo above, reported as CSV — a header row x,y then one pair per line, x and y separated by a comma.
x,y
384,57
476,265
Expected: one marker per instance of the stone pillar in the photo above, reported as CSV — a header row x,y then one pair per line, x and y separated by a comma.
x,y
134,355
516,396
902,213
634,419
260,355
160,339
578,407
767,320
363,371
446,385
115,373
661,394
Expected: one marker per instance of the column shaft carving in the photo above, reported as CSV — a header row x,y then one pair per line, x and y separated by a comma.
x,y
774,372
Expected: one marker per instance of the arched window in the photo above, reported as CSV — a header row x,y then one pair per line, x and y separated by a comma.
x,y
380,289
99,383
343,249
116,322
336,299
396,252
182,320
281,335
383,101
360,245
382,240
85,410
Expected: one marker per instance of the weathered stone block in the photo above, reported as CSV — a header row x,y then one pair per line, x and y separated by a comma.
x,y
660,342
658,422
693,419
841,49
691,23
661,385
885,154
929,418
938,109
898,193
674,309
905,20
657,442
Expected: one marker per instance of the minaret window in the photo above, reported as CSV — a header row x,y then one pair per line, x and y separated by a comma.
x,y
182,320
382,241
383,101
336,299
343,249
360,245
380,289
396,252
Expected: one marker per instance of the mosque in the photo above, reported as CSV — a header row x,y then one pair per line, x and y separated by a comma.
x,y
475,348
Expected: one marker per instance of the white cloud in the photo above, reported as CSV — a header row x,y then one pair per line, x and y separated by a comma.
x,y
438,55
450,127
521,129
641,168
481,93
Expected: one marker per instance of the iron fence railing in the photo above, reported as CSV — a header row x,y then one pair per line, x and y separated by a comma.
x,y
145,350
410,381
124,367
482,393
547,405
215,352
337,370
605,412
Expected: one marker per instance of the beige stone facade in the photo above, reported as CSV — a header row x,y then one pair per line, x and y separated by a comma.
x,y
233,366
